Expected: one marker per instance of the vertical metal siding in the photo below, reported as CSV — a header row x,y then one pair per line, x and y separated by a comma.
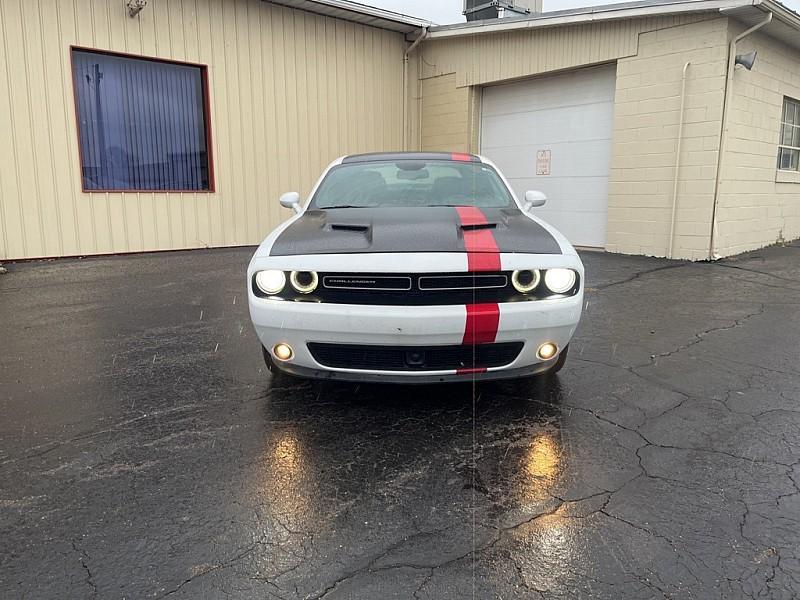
x,y
289,91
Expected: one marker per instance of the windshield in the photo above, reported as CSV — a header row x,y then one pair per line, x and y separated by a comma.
x,y
412,183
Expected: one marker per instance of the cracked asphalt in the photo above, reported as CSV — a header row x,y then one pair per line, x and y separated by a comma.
x,y
145,452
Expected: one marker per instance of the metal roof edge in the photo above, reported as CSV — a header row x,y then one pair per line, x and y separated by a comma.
x,y
781,12
324,7
593,14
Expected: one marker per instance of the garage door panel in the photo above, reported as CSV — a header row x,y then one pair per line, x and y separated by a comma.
x,y
581,224
571,116
568,160
556,125
551,92
583,193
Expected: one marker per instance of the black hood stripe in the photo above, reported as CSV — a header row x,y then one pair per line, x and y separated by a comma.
x,y
398,230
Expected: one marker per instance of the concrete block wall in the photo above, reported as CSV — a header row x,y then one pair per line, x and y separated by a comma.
x,y
446,115
755,209
646,121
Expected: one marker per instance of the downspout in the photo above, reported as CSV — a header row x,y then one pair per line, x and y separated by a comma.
x,y
423,34
677,161
712,255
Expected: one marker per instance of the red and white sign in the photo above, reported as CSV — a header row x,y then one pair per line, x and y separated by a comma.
x,y
543,161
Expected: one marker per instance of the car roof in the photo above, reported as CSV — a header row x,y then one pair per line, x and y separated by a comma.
x,y
394,156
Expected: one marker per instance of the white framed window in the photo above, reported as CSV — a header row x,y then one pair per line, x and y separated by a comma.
x,y
789,147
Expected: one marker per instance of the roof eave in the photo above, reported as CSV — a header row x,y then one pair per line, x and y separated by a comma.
x,y
590,15
358,13
781,12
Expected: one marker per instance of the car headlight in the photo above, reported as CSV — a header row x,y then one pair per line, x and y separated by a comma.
x,y
304,282
271,282
559,281
525,281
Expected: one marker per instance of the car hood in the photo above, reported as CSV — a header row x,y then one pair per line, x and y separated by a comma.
x,y
434,229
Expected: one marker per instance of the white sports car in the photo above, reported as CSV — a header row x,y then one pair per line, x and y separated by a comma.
x,y
414,268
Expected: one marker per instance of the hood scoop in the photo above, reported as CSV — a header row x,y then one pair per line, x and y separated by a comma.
x,y
478,226
348,227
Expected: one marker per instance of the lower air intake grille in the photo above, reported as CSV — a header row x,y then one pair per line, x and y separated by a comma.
x,y
414,358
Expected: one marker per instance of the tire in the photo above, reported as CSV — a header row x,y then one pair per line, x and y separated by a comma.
x,y
268,360
275,372
557,366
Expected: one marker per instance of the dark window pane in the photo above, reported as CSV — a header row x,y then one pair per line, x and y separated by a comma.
x,y
786,135
791,111
141,122
788,160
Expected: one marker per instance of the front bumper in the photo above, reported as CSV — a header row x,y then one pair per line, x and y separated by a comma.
x,y
298,323
421,378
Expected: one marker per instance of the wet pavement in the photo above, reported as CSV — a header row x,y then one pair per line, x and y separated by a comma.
x,y
145,453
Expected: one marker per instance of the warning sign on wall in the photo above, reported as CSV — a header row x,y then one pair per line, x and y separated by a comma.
x,y
543,160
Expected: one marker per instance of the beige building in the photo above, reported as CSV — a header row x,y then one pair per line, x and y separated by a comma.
x,y
178,126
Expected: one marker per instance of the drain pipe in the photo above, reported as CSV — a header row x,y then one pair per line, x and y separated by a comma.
x,y
423,34
677,161
712,255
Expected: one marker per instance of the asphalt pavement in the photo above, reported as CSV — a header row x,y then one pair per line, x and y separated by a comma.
x,y
145,451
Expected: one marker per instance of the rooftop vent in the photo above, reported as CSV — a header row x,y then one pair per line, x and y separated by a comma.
x,y
476,10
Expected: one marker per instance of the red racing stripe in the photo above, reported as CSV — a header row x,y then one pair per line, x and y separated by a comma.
x,y
482,323
482,255
470,371
482,251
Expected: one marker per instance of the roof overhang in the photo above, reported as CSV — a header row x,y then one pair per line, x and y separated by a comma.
x,y
358,13
785,25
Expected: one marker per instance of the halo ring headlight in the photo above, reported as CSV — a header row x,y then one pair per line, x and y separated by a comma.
x,y
559,281
271,282
304,282
526,280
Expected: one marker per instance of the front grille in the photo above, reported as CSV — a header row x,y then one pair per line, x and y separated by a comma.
x,y
462,282
369,282
415,289
414,358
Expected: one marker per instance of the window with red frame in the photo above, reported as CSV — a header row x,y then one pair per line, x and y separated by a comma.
x,y
141,123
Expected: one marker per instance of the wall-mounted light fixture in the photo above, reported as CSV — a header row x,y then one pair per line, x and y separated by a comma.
x,y
747,60
135,7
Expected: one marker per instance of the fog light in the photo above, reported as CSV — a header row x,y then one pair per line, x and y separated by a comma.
x,y
283,352
547,351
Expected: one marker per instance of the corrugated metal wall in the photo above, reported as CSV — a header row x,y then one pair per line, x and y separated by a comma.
x,y
289,90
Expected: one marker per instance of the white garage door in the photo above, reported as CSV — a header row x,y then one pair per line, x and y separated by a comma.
x,y
554,135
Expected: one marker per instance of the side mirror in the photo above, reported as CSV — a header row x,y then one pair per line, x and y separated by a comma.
x,y
291,200
534,198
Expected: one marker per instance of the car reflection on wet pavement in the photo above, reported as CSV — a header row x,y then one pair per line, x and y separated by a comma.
x,y
145,451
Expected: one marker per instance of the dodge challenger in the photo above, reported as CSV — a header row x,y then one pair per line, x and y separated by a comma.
x,y
414,268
